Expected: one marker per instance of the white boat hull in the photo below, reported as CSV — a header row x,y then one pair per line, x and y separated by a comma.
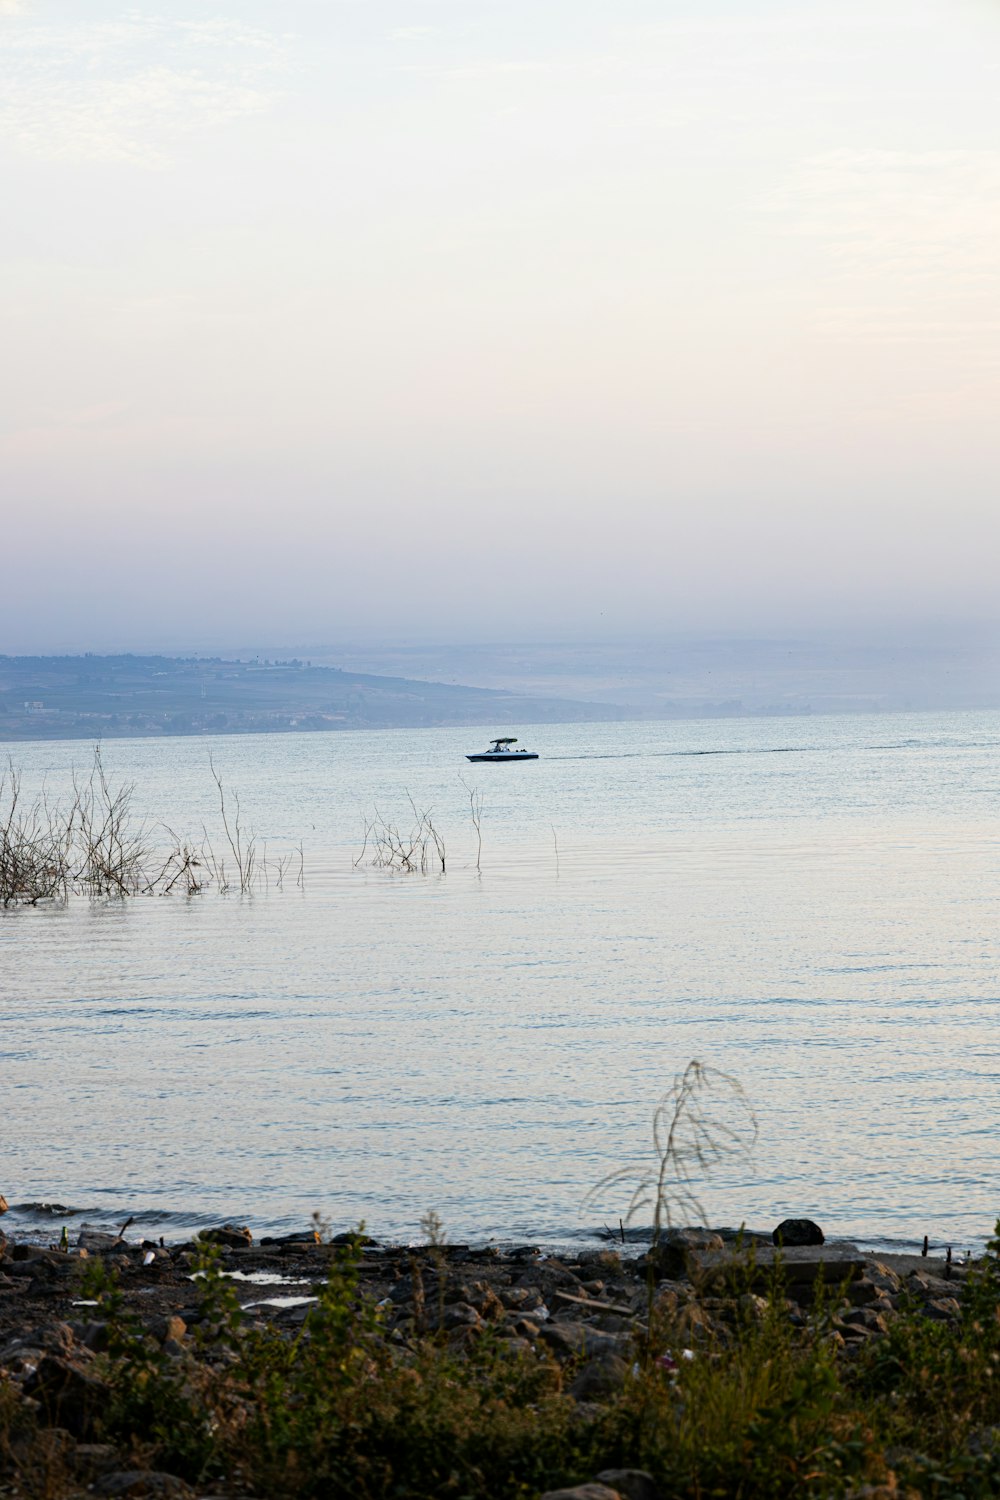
x,y
504,755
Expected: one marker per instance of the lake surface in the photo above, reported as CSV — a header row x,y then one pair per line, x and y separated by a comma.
x,y
812,905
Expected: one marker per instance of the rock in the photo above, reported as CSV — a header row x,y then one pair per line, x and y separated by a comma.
x,y
21,1254
69,1396
94,1336
95,1458
797,1232
942,1309
98,1241
583,1492
864,1292
601,1377
228,1236
456,1315
168,1328
141,1483
604,1260
669,1259
458,1291
569,1339
516,1297
800,1267
488,1305
631,1484
753,1307
4,1205
865,1317
930,1286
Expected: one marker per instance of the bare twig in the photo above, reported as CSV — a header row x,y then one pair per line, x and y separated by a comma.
x,y
476,809
702,1120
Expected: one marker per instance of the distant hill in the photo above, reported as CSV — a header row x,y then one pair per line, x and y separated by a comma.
x,y
76,697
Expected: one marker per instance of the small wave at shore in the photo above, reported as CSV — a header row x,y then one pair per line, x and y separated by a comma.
x,y
29,1221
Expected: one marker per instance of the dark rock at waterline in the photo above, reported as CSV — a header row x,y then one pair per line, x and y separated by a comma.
x,y
228,1236
99,1241
668,1258
798,1232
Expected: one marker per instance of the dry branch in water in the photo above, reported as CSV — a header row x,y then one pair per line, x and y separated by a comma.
x,y
34,847
242,845
389,848
703,1120
96,847
476,809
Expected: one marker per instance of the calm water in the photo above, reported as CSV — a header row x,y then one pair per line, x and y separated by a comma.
x,y
813,905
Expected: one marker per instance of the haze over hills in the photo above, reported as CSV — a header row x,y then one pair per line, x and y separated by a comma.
x,y
697,674
72,697
358,686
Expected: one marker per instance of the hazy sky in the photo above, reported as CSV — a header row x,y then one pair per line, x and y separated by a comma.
x,y
474,318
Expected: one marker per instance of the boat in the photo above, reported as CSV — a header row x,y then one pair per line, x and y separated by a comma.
x,y
501,750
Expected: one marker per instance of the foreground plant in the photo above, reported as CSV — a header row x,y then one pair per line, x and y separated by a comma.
x,y
737,1386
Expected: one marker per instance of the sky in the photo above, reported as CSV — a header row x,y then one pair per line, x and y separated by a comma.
x,y
493,319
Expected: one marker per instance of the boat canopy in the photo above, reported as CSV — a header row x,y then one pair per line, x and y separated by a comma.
x,y
511,740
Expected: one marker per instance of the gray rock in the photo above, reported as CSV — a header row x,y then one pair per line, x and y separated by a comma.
x,y
95,1458
21,1254
800,1268
631,1484
942,1309
601,1377
864,1317
97,1240
798,1232
456,1315
142,1483
583,1492
569,1339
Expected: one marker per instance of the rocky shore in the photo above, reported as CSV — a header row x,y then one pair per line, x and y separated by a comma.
x,y
589,1319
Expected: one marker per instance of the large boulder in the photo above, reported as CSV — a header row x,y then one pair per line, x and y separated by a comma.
x,y
796,1233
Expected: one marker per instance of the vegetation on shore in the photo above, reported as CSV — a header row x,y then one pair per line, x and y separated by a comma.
x,y
727,1389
